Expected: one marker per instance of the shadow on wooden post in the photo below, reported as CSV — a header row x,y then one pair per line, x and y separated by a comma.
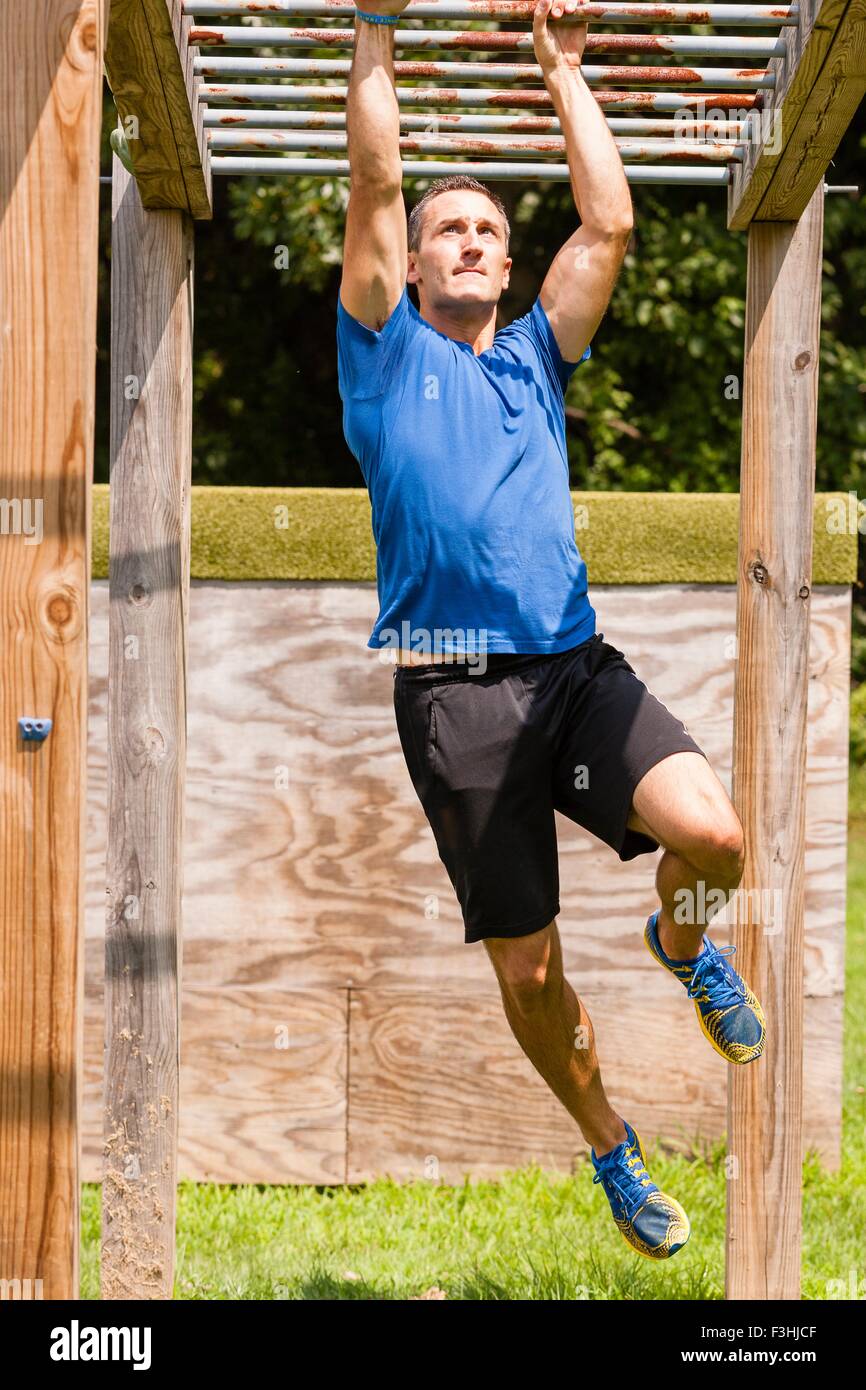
x,y
151,442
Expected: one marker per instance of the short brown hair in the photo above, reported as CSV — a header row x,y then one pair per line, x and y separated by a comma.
x,y
446,185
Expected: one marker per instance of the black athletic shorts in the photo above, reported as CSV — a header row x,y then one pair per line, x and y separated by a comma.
x,y
492,755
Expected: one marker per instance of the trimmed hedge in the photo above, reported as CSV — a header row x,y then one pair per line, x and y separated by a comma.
x,y
325,533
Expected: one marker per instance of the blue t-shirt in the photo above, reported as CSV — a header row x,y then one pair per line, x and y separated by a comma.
x,y
465,462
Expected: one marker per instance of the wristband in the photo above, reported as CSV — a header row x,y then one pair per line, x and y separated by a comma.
x,y
378,18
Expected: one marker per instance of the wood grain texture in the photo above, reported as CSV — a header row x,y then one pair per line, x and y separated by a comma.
x,y
819,85
149,62
440,1088
263,1083
780,404
50,107
826,113
330,883
151,446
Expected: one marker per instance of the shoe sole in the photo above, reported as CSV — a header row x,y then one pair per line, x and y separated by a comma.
x,y
674,1203
734,1061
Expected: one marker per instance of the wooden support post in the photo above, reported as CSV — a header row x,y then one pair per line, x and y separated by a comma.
x,y
151,437
50,110
780,392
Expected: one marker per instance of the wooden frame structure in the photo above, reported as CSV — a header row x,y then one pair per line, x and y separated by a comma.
x,y
48,161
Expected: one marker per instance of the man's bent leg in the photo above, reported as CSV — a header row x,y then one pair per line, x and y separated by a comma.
x,y
681,803
554,1030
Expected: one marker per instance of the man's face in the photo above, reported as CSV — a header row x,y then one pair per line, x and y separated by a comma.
x,y
461,259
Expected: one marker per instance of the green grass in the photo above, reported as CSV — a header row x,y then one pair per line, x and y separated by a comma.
x,y
531,1235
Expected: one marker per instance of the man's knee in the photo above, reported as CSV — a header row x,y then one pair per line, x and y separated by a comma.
x,y
723,850
525,966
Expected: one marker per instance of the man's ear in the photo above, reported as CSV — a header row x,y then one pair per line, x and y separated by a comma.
x,y
412,275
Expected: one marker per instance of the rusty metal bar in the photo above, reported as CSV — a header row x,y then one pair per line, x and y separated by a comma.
x,y
512,125
740,78
486,169
703,152
491,40
238,94
741,15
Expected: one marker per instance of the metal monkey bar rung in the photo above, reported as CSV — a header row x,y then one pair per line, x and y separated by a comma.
x,y
720,16
492,40
594,74
438,168
262,120
716,151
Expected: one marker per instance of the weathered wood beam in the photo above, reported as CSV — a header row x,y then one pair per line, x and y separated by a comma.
x,y
151,447
149,62
771,693
789,144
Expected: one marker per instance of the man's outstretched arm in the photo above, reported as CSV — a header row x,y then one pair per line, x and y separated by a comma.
x,y
577,288
375,245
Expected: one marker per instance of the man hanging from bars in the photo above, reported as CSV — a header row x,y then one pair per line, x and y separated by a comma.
x,y
509,705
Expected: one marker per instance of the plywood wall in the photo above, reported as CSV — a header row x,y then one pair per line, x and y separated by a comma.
x,y
334,1026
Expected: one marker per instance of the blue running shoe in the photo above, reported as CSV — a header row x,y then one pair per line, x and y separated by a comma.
x,y
650,1221
728,1011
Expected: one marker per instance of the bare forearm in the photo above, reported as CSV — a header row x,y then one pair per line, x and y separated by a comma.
x,y
372,112
598,181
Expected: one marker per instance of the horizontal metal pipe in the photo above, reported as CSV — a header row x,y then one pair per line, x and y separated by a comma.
x,y
738,16
496,40
449,120
745,78
433,168
708,152
247,94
